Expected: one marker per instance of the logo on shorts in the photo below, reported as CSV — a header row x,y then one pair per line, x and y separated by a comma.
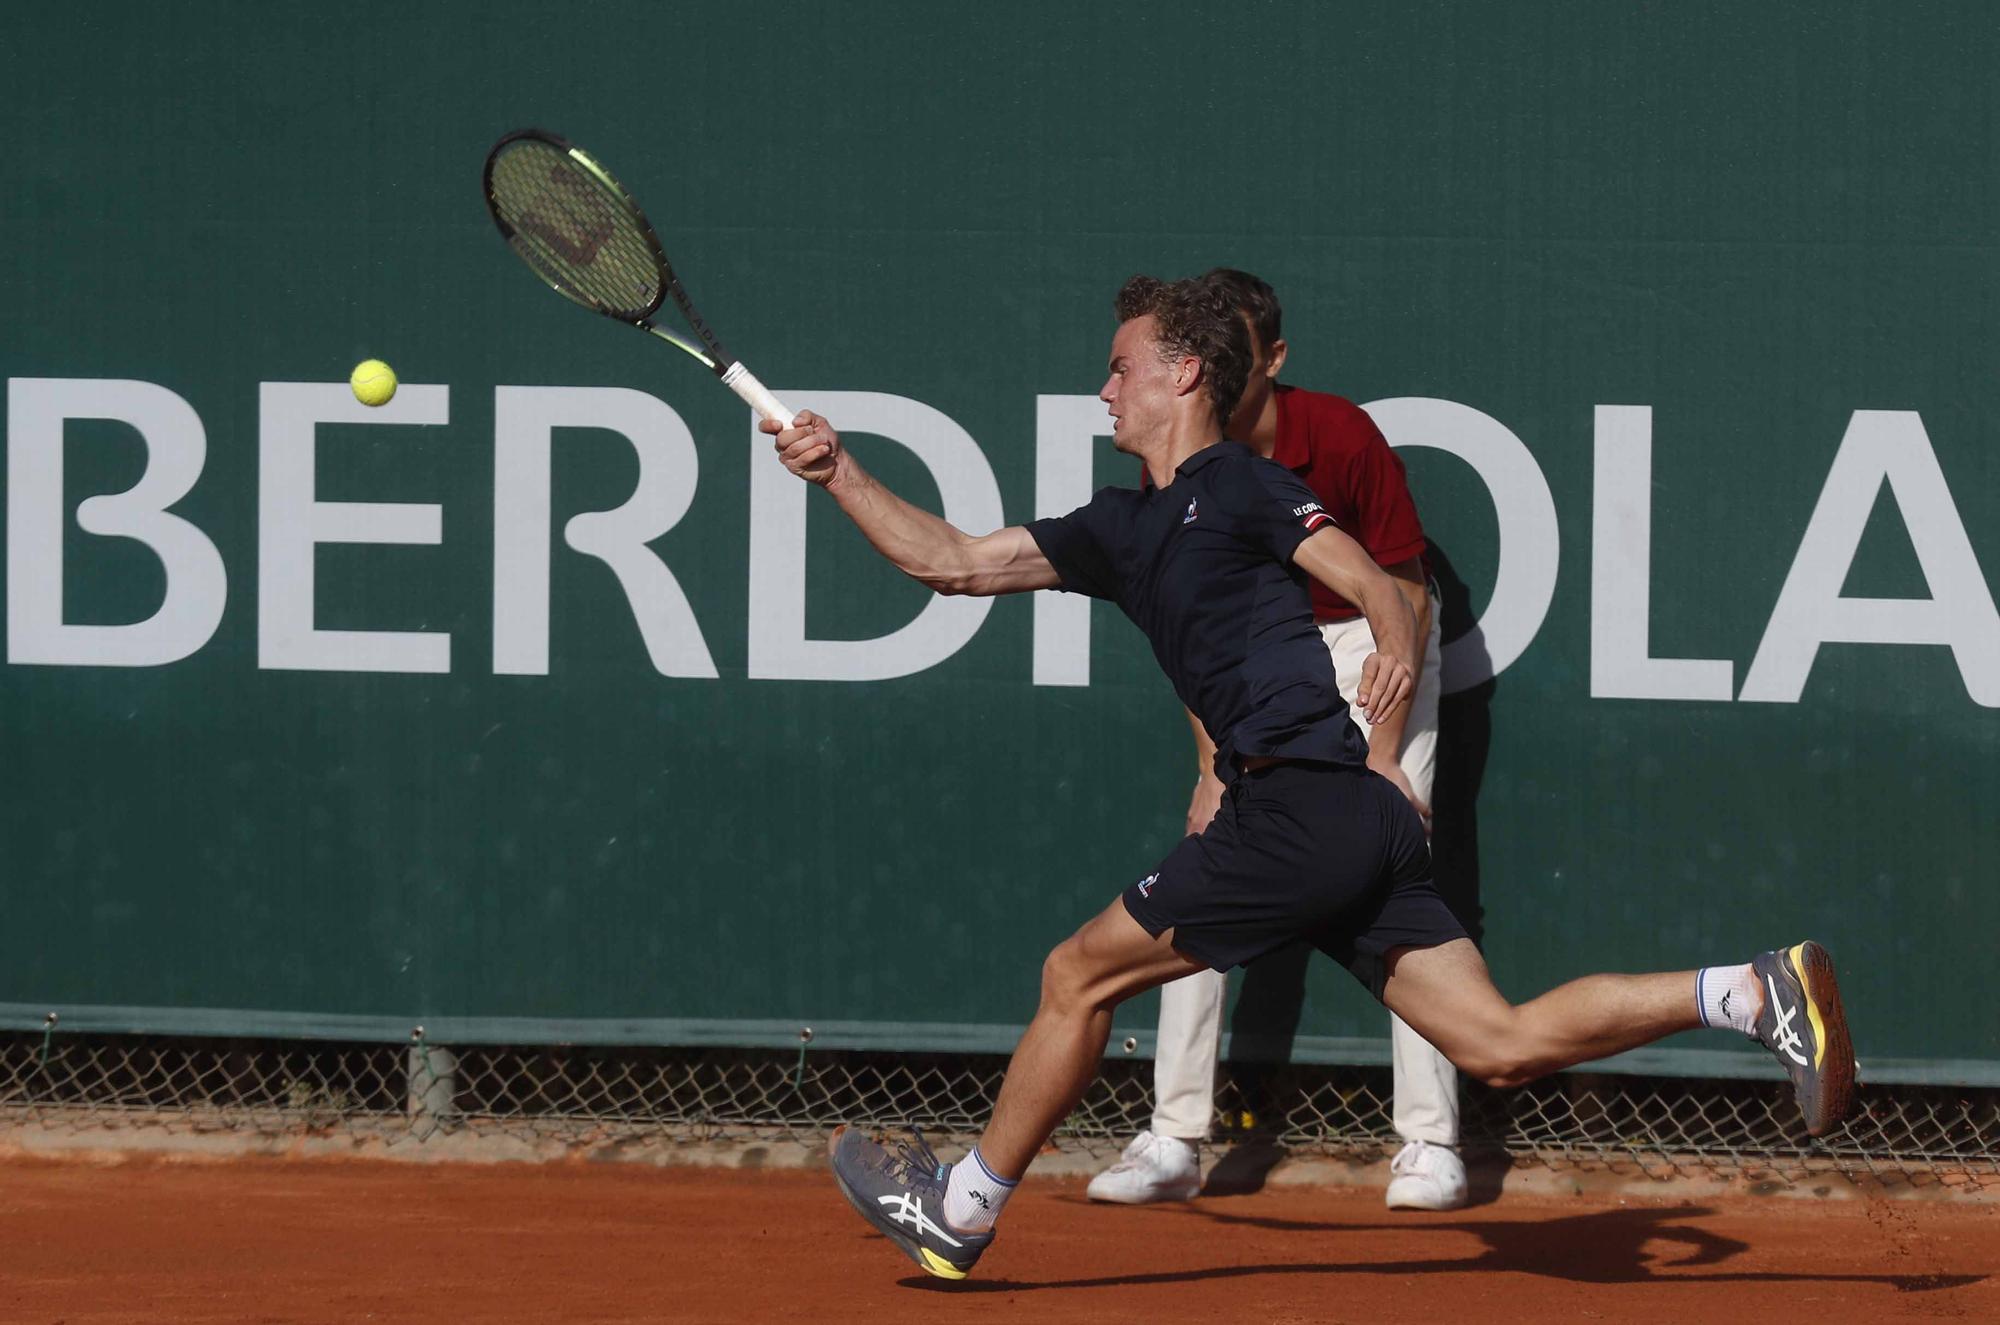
x,y
1189,517
1146,884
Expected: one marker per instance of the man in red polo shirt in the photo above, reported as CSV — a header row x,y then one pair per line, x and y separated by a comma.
x,y
1334,446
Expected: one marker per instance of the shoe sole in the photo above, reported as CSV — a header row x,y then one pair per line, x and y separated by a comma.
x,y
1833,1102
927,1260
1406,1203
1160,1199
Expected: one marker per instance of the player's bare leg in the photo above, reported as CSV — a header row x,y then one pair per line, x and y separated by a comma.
x,y
941,1215
1446,993
1100,966
1787,1000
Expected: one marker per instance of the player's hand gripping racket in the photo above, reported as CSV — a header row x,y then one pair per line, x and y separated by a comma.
x,y
581,232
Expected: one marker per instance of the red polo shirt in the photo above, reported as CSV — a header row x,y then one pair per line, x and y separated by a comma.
x,y
1331,443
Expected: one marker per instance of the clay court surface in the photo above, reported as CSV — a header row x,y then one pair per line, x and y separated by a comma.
x,y
306,1240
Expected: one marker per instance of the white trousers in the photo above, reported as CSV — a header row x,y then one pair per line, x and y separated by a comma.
x,y
1190,1035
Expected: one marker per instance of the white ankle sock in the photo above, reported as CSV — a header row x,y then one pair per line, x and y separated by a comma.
x,y
974,1195
1729,997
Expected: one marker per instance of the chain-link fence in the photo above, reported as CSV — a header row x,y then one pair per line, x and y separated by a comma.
x,y
580,1096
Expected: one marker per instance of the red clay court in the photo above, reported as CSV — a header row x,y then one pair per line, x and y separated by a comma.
x,y
273,1240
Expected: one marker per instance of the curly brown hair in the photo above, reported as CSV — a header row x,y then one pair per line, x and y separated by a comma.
x,y
1196,317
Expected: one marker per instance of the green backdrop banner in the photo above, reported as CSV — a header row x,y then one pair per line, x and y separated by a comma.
x,y
540,702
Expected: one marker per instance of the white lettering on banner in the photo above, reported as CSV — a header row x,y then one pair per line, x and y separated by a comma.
x,y
1066,433
1891,446
524,417
1880,447
1621,580
1525,580
176,449
779,648
290,524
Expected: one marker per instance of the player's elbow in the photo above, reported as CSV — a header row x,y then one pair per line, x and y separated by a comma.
x,y
961,575
951,583
982,567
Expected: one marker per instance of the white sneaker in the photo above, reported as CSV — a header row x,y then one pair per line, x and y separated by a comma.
x,y
1153,1168
1427,1177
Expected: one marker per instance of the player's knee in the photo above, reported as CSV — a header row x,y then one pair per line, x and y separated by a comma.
x,y
1504,1076
1075,981
1504,1062
1064,977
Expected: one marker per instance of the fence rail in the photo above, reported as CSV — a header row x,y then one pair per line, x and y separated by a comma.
x,y
410,1096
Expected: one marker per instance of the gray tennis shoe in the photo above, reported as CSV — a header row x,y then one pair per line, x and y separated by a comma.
x,y
899,1188
1803,1026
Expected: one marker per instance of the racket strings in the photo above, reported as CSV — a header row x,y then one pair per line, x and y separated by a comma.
x,y
566,225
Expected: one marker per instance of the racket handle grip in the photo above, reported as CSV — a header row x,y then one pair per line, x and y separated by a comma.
x,y
755,394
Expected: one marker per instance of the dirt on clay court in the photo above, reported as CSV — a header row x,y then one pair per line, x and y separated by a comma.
x,y
279,1240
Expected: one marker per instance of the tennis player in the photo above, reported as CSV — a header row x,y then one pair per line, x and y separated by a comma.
x,y
1211,561
1332,444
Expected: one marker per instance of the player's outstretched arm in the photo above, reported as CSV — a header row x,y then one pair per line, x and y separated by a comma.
x,y
1344,566
921,545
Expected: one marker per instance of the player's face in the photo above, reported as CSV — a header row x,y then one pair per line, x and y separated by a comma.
x,y
1141,387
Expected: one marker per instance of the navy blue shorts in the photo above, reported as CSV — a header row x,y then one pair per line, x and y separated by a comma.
x,y
1330,854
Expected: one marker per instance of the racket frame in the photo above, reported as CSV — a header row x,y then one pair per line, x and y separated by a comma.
x,y
709,353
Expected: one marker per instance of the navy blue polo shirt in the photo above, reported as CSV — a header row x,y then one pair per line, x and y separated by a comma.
x,y
1204,568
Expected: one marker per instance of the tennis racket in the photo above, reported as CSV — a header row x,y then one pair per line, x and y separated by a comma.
x,y
565,216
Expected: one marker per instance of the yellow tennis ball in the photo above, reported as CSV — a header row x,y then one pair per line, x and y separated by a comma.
x,y
374,382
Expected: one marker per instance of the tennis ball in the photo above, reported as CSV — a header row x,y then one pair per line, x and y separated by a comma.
x,y
374,382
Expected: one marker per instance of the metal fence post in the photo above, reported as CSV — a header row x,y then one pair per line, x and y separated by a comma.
x,y
432,1101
